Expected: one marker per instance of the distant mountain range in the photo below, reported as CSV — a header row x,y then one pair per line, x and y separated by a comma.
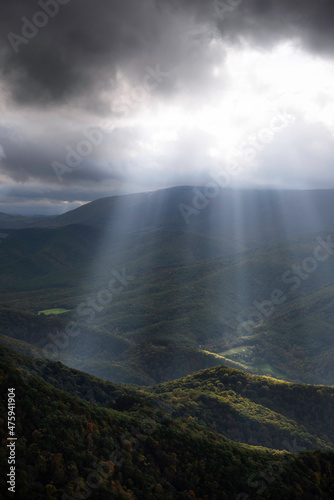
x,y
250,217
202,293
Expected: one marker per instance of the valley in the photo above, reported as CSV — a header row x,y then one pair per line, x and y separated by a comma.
x,y
228,337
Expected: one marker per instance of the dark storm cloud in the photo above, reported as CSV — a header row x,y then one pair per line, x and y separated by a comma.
x,y
33,161
72,65
80,48
264,22
74,57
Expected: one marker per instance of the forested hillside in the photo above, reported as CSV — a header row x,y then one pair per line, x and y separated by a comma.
x,y
126,443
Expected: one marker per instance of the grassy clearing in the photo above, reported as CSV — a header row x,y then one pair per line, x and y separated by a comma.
x,y
270,371
57,310
235,350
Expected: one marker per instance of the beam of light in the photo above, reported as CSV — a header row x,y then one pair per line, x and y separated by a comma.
x,y
258,82
242,98
238,273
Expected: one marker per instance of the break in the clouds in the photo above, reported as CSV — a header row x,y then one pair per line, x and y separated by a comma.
x,y
107,97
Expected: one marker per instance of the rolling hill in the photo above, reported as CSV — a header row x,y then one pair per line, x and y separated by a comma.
x,y
83,436
173,318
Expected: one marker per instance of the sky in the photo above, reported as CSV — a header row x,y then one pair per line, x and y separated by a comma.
x,y
106,97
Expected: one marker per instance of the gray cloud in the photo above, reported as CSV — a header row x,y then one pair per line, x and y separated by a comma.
x,y
63,80
300,154
73,57
77,53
